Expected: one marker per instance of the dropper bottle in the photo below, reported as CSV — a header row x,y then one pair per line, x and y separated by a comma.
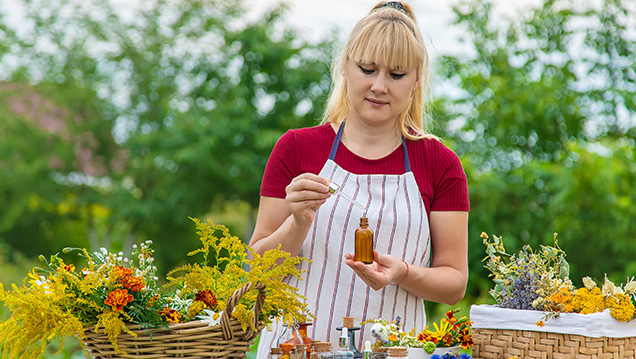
x,y
335,189
366,354
344,352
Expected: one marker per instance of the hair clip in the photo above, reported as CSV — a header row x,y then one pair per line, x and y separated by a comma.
x,y
394,4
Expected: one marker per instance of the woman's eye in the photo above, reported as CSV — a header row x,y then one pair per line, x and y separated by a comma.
x,y
365,71
397,76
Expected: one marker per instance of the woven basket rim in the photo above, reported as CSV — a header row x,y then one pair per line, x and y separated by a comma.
x,y
195,339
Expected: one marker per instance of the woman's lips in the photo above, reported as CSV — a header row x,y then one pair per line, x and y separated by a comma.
x,y
376,103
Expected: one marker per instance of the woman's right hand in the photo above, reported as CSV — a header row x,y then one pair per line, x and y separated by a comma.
x,y
305,194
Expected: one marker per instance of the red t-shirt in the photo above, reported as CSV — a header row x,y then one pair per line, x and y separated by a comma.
x,y
437,170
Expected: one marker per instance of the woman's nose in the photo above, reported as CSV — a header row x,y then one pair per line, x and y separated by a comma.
x,y
379,84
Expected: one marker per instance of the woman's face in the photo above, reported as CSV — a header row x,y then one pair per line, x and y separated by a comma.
x,y
377,93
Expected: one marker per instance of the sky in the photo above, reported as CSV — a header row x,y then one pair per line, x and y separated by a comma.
x,y
314,18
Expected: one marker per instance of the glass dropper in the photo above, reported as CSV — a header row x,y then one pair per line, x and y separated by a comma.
x,y
334,188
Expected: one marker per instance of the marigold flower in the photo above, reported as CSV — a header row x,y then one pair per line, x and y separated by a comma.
x,y
466,340
120,272
540,323
152,301
171,315
447,339
118,298
134,283
207,297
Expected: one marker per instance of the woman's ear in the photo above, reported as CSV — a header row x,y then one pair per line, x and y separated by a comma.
x,y
415,85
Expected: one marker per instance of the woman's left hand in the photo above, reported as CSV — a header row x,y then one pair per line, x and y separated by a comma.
x,y
384,270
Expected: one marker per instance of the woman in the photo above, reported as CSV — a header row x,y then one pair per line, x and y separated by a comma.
x,y
373,145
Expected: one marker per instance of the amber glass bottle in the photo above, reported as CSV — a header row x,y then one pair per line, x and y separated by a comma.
x,y
364,242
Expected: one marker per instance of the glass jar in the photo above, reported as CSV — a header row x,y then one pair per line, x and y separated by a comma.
x,y
380,353
300,351
302,330
288,339
321,350
275,353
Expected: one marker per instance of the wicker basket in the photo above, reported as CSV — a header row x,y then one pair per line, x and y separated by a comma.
x,y
503,333
505,343
184,340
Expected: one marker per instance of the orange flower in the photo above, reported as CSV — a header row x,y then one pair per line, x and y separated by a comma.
x,y
120,272
540,323
152,301
118,298
135,284
448,339
466,339
171,315
207,297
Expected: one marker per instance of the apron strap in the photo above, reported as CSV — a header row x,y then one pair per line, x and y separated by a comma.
x,y
407,162
336,142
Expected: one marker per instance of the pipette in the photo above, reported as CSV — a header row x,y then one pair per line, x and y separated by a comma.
x,y
334,188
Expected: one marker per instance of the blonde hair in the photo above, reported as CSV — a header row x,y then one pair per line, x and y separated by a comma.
x,y
388,35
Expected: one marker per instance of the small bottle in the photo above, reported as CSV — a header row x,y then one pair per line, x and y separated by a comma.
x,y
366,353
321,350
364,242
300,351
302,330
398,353
344,352
288,338
275,353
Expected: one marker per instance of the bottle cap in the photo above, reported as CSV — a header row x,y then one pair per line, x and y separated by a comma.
x,y
347,322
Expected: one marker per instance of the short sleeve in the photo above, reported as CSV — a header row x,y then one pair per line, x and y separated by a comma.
x,y
280,168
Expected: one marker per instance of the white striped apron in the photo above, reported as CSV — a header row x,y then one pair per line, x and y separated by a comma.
x,y
398,219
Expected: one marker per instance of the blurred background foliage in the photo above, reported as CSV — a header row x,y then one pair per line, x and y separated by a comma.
x,y
120,120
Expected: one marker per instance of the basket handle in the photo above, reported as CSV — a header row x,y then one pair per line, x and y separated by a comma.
x,y
234,299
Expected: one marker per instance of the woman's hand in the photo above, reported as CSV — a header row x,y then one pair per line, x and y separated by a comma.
x,y
384,270
305,194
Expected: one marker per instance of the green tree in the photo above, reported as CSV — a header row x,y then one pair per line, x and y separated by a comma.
x,y
543,121
186,104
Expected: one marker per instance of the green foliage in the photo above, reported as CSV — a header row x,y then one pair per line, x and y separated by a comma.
x,y
168,109
543,122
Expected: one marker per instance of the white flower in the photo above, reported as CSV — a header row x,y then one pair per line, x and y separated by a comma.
x,y
630,286
180,304
589,283
609,288
211,318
